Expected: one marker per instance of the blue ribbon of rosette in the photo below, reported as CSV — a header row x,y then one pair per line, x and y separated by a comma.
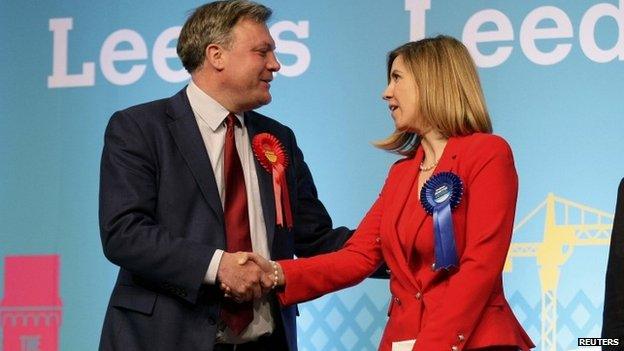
x,y
439,196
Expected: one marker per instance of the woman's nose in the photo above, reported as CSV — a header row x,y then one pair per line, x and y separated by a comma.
x,y
386,94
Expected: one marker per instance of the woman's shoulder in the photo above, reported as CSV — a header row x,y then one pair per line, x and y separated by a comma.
x,y
484,144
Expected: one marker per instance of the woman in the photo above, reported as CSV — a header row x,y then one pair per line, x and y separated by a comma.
x,y
443,219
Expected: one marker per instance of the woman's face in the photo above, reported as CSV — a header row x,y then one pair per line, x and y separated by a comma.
x,y
402,97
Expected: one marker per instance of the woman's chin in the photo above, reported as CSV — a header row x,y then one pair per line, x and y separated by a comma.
x,y
397,124
401,127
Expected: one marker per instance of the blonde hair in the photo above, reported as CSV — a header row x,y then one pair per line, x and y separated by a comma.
x,y
450,95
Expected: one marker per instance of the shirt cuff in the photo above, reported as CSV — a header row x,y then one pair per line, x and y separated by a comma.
x,y
213,268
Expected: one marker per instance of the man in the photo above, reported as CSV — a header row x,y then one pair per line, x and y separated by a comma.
x,y
613,314
182,191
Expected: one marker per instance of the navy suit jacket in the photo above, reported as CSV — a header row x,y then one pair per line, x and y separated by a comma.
x,y
161,220
613,314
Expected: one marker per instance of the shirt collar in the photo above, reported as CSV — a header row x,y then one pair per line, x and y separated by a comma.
x,y
208,109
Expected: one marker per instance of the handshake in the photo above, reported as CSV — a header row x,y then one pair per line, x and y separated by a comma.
x,y
246,276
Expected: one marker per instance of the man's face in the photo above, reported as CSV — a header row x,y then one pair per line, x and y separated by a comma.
x,y
249,65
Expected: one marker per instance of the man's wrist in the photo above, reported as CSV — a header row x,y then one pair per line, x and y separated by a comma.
x,y
211,276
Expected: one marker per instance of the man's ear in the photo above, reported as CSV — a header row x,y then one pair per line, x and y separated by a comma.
x,y
215,56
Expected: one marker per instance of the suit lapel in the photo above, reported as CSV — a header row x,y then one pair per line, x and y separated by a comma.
x,y
265,180
185,132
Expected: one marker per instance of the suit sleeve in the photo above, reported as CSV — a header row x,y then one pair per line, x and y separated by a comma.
x,y
613,313
309,278
313,227
491,199
132,237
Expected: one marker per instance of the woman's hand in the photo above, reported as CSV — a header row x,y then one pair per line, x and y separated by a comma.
x,y
271,275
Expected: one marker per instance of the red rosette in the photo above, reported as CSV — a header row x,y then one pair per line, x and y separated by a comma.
x,y
273,158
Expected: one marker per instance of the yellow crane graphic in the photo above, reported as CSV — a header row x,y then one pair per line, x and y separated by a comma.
x,y
567,225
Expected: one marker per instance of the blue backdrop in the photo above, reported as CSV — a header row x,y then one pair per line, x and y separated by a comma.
x,y
553,76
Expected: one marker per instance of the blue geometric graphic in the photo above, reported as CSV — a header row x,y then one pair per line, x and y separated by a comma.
x,y
330,325
336,327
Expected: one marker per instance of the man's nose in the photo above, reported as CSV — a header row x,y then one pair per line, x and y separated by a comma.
x,y
273,64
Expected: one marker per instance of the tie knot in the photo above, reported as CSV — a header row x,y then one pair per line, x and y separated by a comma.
x,y
231,120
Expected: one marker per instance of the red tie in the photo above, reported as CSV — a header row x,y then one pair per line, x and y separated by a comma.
x,y
236,316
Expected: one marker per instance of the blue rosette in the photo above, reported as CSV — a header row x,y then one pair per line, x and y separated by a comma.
x,y
441,194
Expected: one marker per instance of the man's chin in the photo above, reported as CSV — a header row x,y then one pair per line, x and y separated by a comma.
x,y
258,103
265,100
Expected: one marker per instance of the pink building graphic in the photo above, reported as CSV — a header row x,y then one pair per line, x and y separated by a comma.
x,y
31,310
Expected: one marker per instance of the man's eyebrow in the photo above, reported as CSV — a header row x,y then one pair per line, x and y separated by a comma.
x,y
265,45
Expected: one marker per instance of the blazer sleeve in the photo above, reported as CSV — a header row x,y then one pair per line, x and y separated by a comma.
x,y
132,237
313,228
613,313
491,199
309,278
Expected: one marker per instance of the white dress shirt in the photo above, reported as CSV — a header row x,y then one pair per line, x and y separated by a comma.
x,y
210,117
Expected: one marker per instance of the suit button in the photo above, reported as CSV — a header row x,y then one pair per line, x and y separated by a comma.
x,y
454,348
388,271
397,301
418,295
461,337
433,266
378,239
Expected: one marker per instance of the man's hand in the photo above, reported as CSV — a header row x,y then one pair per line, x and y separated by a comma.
x,y
240,278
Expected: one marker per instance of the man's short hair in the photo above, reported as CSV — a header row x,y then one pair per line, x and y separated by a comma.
x,y
212,23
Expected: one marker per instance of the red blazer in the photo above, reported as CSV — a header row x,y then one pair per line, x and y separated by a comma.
x,y
461,309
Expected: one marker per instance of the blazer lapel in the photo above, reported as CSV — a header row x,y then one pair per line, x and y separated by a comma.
x,y
187,136
401,194
265,181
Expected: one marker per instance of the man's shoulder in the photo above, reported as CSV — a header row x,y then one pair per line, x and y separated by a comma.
x,y
159,104
155,110
144,111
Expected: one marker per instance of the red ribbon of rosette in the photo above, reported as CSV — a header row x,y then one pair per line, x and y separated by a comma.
x,y
271,155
